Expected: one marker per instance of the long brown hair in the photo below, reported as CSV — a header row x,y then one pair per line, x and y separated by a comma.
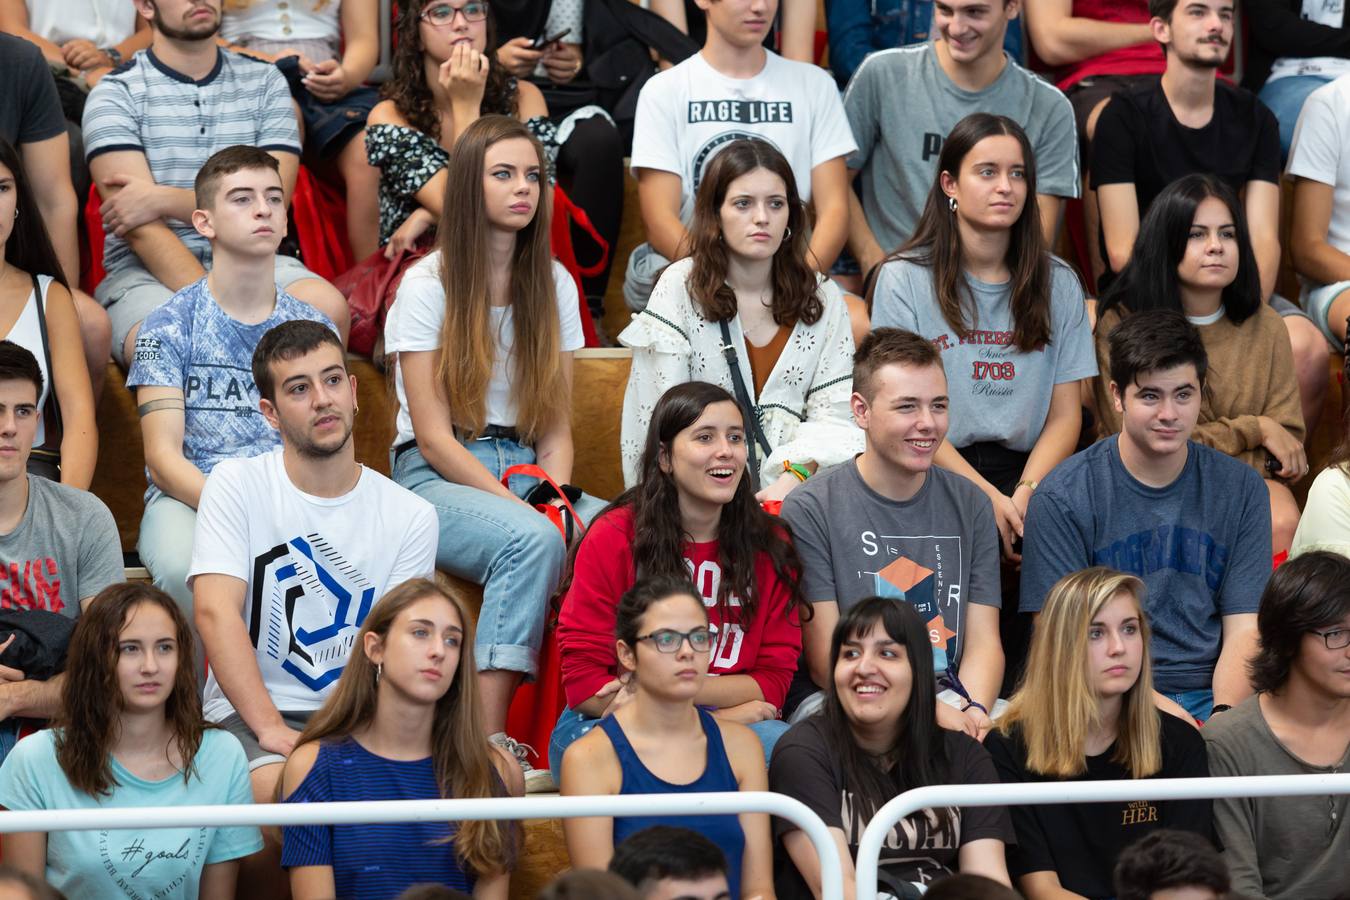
x,y
744,529
467,349
936,243
794,281
461,757
408,86
1055,705
91,698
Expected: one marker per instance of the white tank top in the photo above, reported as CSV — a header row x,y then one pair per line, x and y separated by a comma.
x,y
27,332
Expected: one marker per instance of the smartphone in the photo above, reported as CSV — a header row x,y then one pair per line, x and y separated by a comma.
x,y
541,42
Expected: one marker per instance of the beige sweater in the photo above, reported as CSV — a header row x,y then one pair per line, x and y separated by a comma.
x,y
1251,374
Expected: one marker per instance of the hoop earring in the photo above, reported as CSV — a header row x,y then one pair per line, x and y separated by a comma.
x,y
951,204
787,232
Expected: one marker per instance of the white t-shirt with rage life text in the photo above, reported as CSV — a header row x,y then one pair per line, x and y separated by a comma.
x,y
690,111
313,567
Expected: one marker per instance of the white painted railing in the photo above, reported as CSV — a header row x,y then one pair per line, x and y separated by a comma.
x,y
869,847
674,805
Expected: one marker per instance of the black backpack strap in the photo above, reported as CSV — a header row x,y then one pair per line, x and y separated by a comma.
x,y
748,410
51,410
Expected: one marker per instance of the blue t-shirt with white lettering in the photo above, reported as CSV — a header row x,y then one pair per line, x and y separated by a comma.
x,y
1201,545
192,344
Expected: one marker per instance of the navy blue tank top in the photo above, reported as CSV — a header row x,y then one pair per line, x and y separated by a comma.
x,y
724,831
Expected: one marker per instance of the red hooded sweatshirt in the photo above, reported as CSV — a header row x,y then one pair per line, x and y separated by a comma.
x,y
766,649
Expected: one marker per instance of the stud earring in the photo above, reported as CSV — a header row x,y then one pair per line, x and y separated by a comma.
x,y
951,203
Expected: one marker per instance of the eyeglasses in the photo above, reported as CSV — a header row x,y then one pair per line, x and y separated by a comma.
x,y
667,640
1335,639
442,15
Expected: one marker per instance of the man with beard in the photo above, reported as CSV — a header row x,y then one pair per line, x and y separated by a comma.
x,y
292,549
149,126
190,369
1189,121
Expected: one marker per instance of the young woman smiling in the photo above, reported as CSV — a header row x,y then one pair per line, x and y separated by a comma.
x,y
747,283
876,737
662,741
691,512
1194,255
403,724
132,735
1086,711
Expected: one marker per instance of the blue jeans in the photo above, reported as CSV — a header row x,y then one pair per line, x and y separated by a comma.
x,y
1285,98
572,725
1199,703
514,552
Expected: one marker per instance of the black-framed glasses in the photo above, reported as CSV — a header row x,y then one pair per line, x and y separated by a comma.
x,y
441,15
1335,639
668,640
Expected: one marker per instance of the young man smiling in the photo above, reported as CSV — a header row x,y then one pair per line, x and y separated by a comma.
x,y
292,548
1192,522
888,522
902,103
197,404
1291,848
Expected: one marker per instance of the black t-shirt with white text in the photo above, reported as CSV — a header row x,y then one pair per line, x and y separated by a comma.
x,y
917,849
1081,841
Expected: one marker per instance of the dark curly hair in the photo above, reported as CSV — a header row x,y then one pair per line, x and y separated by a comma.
x,y
1309,592
744,531
408,87
91,699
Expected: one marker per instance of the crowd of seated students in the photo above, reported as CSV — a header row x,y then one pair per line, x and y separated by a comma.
x,y
857,553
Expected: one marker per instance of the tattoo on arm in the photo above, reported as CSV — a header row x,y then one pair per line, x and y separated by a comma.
x,y
163,403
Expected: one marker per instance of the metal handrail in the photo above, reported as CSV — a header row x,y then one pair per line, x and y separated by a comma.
x,y
937,796
347,813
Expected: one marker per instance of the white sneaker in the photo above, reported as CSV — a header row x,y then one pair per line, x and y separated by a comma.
x,y
537,781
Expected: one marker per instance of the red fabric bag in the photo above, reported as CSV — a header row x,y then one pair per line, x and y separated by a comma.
x,y
536,706
370,287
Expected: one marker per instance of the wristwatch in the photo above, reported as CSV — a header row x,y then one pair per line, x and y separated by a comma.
x,y
113,54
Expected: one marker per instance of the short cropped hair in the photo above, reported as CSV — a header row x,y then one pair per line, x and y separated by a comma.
x,y
885,346
227,162
1161,9
287,341
1310,591
17,363
1160,339
588,884
1169,858
969,886
666,851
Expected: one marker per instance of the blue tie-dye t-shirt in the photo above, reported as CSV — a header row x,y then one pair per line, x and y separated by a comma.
x,y
192,344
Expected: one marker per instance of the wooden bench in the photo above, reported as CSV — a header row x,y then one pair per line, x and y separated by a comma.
x,y
599,379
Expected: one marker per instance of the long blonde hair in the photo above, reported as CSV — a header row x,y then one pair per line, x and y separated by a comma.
x,y
1055,704
460,754
467,349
